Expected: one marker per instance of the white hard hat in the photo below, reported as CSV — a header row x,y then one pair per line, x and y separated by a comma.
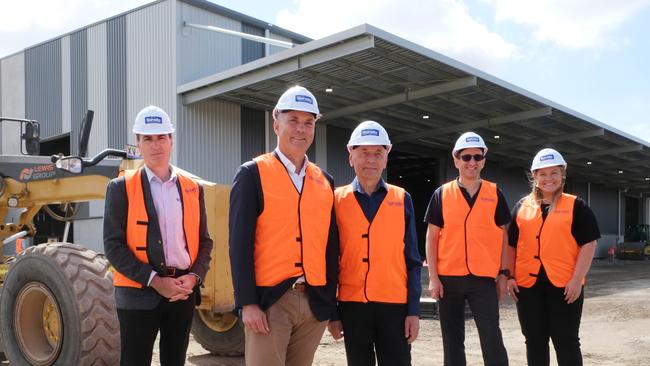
x,y
469,140
152,120
298,98
547,157
369,133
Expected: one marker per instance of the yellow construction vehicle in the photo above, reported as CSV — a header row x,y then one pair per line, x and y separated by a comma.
x,y
56,304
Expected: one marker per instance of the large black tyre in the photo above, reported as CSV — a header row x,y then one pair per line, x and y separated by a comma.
x,y
219,333
57,308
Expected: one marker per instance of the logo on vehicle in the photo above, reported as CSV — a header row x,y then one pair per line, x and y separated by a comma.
x,y
26,174
370,132
304,99
152,119
37,173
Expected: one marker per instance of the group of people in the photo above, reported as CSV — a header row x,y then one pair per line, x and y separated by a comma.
x,y
307,256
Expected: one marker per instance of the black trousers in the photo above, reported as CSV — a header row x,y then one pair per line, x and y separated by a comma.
x,y
375,327
480,293
543,314
139,328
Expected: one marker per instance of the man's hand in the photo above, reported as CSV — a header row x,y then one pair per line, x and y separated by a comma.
x,y
255,319
502,287
335,327
435,286
411,328
170,288
188,281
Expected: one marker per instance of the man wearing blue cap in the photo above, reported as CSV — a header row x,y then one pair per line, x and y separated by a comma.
x,y
284,241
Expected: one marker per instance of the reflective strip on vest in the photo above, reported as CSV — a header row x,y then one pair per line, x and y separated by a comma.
x,y
548,242
470,241
138,220
292,231
372,265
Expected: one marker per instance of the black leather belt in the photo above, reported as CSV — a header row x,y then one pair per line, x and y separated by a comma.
x,y
173,272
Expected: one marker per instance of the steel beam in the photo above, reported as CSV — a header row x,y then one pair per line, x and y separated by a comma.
x,y
552,139
484,123
612,151
406,96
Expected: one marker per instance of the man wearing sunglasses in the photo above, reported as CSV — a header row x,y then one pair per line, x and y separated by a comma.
x,y
466,238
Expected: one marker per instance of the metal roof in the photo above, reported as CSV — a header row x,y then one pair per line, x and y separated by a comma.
x,y
426,100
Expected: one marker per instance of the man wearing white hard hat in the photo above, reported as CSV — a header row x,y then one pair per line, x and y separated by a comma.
x,y
379,277
466,240
284,241
156,237
552,242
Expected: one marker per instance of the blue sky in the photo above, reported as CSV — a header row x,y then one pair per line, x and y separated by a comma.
x,y
592,56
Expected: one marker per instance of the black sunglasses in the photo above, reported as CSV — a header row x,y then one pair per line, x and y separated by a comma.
x,y
468,157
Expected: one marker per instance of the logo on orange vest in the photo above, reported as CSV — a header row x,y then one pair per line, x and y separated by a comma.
x,y
190,190
395,203
487,199
561,211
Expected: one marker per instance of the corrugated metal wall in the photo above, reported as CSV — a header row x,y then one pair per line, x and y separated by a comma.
x,y
202,53
209,142
12,82
337,155
97,88
250,50
78,84
116,76
604,204
320,143
252,133
66,89
43,86
276,49
150,62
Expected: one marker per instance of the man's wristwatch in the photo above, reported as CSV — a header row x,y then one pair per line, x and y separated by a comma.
x,y
505,272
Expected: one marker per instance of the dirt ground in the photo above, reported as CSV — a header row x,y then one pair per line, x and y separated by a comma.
x,y
615,326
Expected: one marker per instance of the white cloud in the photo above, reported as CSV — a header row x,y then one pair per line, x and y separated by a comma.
x,y
575,24
445,26
27,22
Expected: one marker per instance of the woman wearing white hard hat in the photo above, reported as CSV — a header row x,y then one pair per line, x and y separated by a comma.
x,y
552,242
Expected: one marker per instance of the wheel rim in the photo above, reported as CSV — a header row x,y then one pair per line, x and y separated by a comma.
x,y
647,250
37,320
218,322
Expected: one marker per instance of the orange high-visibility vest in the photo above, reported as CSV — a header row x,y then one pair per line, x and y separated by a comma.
x,y
470,241
372,265
137,222
548,242
292,231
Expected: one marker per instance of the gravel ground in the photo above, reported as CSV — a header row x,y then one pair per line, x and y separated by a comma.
x,y
615,326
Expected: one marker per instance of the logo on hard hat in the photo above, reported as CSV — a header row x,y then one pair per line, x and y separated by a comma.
x,y
472,139
547,157
304,99
370,132
153,119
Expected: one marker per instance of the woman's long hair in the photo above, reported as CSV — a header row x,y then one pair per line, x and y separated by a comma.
x,y
535,197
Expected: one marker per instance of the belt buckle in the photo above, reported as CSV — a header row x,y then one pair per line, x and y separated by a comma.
x,y
298,286
170,271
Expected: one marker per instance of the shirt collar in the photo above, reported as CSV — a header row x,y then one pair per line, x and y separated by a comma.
x,y
289,165
356,186
151,175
